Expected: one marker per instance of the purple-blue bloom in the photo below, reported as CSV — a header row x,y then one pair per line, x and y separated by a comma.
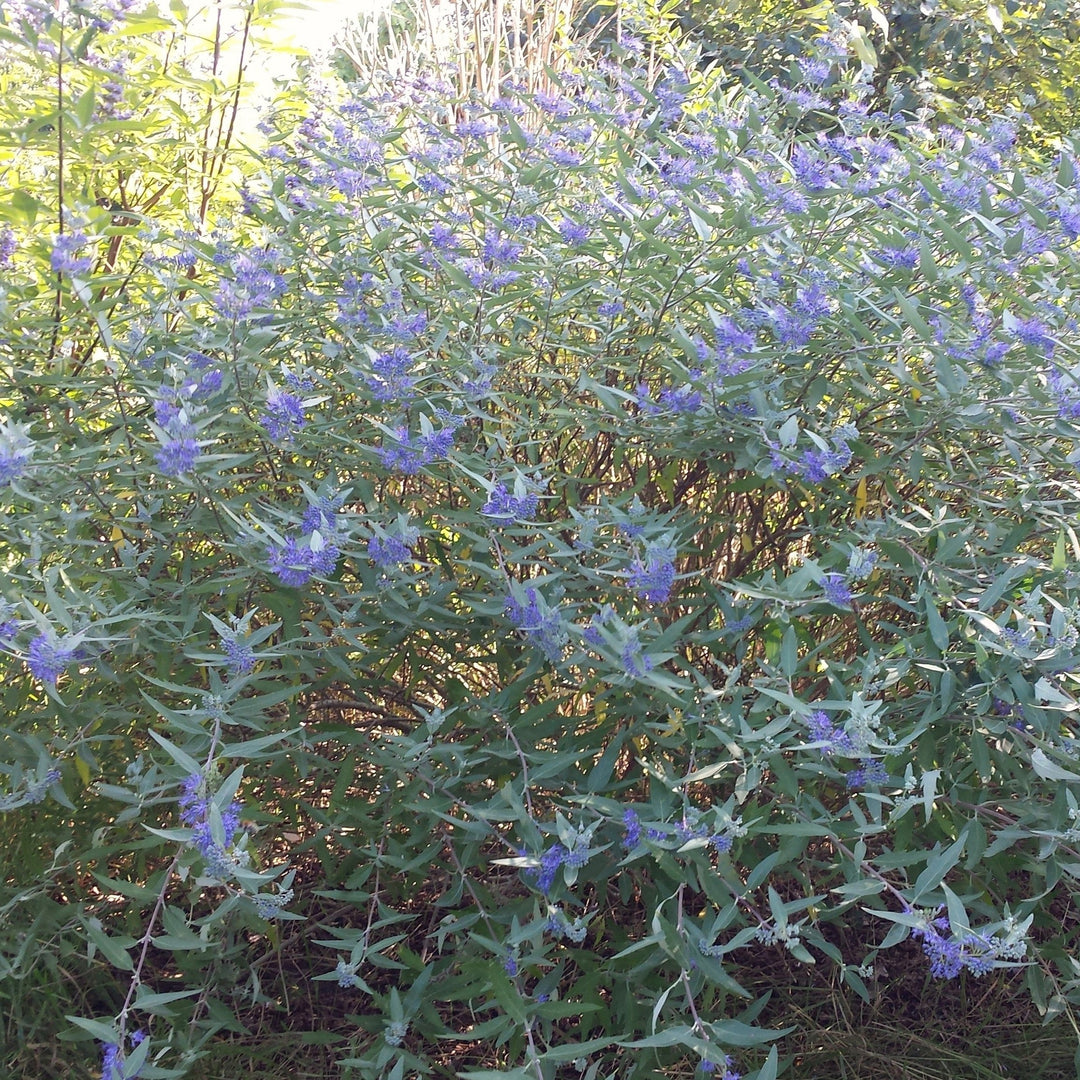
x,y
112,1062
501,504
284,415
653,578
177,455
391,380
635,661
194,806
869,772
541,625
550,862
386,552
1035,333
16,449
1065,389
347,977
409,457
836,739
574,233
8,246
48,659
65,258
836,589
9,625
36,791
239,654
295,562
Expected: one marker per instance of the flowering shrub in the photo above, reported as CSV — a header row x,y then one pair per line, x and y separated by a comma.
x,y
548,556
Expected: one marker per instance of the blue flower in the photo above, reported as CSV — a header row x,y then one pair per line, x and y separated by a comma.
x,y
653,579
861,563
346,974
391,380
64,258
406,456
9,625
836,739
501,504
48,659
177,455
1033,332
387,551
113,1059
8,246
813,70
573,233
38,789
284,415
240,655
541,625
16,449
836,590
635,661
316,552
291,562
550,862
195,811
869,772
112,1062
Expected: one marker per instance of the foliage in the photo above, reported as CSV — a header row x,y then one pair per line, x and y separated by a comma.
x,y
949,54
506,572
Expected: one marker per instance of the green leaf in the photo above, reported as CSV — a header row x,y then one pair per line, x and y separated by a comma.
x,y
937,866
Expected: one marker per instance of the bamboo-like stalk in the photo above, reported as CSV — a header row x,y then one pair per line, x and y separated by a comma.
x,y
469,34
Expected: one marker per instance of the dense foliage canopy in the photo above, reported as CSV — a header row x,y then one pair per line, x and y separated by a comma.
x,y
480,575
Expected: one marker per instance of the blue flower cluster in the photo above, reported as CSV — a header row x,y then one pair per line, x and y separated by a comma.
x,y
391,380
113,1060
838,741
681,399
195,810
65,258
48,657
175,410
710,1068
386,552
816,464
562,927
240,654
870,772
256,282
836,589
8,246
297,561
510,507
408,455
636,663
977,953
541,624
652,577
347,977
16,449
284,415
31,792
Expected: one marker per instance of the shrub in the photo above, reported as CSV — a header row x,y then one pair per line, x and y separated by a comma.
x,y
509,572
